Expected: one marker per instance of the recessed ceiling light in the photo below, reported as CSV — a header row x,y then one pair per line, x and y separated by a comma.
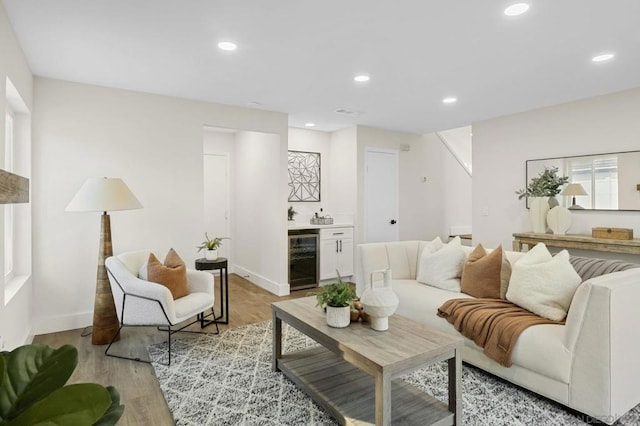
x,y
227,45
310,124
516,9
450,100
361,78
603,57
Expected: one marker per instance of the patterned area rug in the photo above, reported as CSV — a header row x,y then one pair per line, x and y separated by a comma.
x,y
226,379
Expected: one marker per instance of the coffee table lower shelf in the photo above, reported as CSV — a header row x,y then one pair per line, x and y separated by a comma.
x,y
348,393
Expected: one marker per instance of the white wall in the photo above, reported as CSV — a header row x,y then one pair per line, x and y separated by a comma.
x,y
16,311
448,190
155,144
220,142
420,209
260,216
343,175
313,141
501,146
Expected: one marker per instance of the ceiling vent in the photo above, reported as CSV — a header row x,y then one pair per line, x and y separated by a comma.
x,y
348,111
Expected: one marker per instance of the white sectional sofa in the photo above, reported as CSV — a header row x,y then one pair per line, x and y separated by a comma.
x,y
590,364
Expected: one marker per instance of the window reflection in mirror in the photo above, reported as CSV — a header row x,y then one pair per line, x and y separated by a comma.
x,y
610,180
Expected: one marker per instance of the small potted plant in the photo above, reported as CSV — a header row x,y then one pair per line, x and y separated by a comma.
x,y
337,297
211,245
291,213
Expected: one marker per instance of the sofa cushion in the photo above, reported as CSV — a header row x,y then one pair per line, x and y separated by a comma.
x,y
421,302
443,268
402,258
505,275
481,273
539,348
589,268
172,274
543,284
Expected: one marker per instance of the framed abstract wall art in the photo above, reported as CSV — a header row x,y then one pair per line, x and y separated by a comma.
x,y
304,176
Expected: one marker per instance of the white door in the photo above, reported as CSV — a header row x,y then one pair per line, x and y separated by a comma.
x,y
217,200
381,195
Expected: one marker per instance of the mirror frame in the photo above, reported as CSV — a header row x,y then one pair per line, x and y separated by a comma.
x,y
527,178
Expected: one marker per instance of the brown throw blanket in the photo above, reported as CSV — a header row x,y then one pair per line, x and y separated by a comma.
x,y
493,324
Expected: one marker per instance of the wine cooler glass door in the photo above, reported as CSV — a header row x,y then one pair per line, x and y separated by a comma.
x,y
303,261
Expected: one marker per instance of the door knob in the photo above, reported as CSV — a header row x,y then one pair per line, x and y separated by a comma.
x,y
393,221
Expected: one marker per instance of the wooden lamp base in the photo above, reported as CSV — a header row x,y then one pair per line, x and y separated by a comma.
x,y
105,318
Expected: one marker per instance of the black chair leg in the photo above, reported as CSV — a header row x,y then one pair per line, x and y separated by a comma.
x,y
106,351
199,318
204,323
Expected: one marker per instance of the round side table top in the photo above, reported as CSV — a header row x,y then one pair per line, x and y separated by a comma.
x,y
204,263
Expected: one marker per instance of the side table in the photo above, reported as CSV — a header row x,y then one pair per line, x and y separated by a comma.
x,y
221,265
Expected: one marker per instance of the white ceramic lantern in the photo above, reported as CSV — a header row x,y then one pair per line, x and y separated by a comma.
x,y
380,301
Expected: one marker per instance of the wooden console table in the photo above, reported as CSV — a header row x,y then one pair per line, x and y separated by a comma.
x,y
583,242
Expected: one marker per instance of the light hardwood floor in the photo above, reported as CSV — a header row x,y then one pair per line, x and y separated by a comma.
x,y
136,382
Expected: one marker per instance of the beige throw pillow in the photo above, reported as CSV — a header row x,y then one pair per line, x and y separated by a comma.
x,y
443,267
173,274
505,276
481,273
543,284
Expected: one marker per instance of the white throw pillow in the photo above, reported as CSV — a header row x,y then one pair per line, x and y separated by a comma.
x,y
443,267
544,284
143,271
428,247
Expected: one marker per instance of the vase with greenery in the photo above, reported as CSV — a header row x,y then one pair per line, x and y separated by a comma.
x,y
33,391
541,193
548,183
337,298
211,246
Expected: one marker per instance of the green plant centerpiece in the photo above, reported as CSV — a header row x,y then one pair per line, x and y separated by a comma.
x,y
211,243
336,295
33,391
547,184
337,298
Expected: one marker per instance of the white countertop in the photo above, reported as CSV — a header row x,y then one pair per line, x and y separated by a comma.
x,y
300,225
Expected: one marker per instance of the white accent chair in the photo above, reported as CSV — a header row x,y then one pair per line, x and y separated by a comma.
x,y
145,303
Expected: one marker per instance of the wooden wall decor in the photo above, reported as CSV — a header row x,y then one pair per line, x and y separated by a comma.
x,y
13,188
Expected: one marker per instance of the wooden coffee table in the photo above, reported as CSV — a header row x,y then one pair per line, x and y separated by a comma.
x,y
354,374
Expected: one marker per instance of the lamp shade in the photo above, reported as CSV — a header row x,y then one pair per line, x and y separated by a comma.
x,y
574,189
103,195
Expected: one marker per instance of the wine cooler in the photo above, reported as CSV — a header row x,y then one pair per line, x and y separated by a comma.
x,y
303,260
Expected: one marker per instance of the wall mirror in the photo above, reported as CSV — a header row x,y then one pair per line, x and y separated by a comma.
x,y
611,181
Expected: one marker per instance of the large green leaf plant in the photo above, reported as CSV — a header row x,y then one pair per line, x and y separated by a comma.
x,y
33,391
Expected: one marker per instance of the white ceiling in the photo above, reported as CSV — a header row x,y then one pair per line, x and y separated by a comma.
x,y
300,56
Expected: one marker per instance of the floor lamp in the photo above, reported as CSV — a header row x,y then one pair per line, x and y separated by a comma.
x,y
104,195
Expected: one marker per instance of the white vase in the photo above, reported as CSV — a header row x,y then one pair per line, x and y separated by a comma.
x,y
211,254
380,302
538,208
338,317
559,220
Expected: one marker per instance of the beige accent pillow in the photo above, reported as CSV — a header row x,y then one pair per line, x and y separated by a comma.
x,y
173,274
505,276
481,273
443,268
543,284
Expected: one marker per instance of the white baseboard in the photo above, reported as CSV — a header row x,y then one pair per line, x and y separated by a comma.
x,y
260,281
62,323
